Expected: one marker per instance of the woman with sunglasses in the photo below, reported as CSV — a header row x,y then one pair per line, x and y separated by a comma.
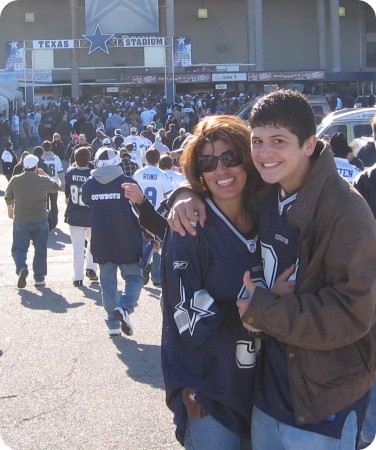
x,y
208,357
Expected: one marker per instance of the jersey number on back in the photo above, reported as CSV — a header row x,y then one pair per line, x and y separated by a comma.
x,y
76,196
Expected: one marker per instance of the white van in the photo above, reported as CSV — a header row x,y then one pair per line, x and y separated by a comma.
x,y
354,124
319,105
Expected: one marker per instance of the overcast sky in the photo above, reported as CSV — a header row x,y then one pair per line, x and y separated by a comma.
x,y
3,3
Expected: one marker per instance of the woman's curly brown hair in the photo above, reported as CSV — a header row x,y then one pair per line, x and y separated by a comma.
x,y
237,135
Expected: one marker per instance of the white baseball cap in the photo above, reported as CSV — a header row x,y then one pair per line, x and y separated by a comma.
x,y
30,161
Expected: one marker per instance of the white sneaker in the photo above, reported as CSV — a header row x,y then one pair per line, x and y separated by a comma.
x,y
123,317
114,332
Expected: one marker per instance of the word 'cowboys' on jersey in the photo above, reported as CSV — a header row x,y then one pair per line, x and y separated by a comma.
x,y
106,196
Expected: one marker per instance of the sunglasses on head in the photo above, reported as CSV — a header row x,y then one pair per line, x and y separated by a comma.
x,y
208,163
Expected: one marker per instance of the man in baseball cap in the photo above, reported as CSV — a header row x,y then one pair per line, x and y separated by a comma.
x,y
26,201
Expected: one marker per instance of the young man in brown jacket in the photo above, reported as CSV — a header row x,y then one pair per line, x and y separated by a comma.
x,y
319,356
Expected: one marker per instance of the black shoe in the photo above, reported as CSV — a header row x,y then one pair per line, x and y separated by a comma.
x,y
147,275
362,444
77,283
22,278
90,273
123,317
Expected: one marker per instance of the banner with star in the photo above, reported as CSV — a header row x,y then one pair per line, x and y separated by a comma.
x,y
122,16
182,51
14,52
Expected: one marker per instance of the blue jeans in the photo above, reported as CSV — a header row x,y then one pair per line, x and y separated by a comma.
x,y
132,275
268,433
208,434
15,138
52,207
23,234
369,424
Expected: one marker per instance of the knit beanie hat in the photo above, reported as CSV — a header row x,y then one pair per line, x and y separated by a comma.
x,y
340,146
107,156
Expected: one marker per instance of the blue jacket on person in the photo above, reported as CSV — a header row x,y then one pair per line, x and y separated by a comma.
x,y
116,233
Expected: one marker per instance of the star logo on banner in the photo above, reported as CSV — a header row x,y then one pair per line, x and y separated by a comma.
x,y
98,40
13,45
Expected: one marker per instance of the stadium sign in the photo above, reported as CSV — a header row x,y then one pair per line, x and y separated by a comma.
x,y
143,41
53,44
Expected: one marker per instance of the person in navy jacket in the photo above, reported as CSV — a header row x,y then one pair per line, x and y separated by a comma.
x,y
116,239
78,216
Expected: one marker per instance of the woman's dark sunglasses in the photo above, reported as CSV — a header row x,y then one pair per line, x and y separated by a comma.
x,y
208,163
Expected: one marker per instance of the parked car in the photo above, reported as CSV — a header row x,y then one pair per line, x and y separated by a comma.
x,y
354,124
318,103
244,111
320,106
364,101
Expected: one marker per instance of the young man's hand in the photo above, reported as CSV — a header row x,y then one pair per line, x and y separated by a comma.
x,y
282,284
243,304
187,210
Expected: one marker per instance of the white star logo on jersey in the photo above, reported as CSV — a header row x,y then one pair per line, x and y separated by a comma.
x,y
179,265
190,312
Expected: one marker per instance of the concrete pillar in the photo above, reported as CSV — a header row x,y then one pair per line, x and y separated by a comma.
x,y
75,75
335,65
251,33
170,69
320,18
259,38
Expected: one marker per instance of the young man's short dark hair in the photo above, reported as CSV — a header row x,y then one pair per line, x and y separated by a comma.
x,y
165,162
288,109
46,146
82,156
152,156
38,151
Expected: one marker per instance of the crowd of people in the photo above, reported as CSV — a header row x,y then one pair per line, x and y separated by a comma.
x,y
34,123
266,262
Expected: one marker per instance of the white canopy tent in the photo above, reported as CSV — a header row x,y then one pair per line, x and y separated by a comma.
x,y
14,97
8,94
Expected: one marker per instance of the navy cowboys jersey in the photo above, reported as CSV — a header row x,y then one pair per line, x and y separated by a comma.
x,y
204,345
77,213
279,250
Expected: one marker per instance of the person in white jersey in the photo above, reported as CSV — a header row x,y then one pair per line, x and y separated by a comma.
x,y
155,185
138,143
55,171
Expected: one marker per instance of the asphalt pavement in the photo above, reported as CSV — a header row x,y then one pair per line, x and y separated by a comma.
x,y
64,384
